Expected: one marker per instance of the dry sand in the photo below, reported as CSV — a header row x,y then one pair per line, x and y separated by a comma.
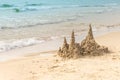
x,y
48,66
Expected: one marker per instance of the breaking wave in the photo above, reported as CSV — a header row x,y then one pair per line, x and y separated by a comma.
x,y
13,44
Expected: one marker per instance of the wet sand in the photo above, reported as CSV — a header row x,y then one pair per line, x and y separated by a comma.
x,y
47,65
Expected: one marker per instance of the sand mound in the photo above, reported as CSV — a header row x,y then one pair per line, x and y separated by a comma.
x,y
87,47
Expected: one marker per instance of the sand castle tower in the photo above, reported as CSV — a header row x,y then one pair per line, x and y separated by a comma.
x,y
71,50
72,41
64,50
72,44
87,47
65,44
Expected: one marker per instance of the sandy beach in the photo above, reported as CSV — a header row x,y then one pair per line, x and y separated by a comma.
x,y
46,65
35,36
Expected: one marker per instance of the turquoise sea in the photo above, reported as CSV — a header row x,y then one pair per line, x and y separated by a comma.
x,y
19,18
27,13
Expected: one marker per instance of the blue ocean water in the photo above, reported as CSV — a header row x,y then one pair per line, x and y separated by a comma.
x,y
27,13
17,14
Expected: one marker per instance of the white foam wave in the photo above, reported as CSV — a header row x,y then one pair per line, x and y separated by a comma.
x,y
12,44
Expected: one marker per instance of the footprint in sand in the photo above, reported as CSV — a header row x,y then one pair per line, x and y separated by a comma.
x,y
35,61
33,76
114,58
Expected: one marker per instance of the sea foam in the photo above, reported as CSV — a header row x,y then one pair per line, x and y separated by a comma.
x,y
13,44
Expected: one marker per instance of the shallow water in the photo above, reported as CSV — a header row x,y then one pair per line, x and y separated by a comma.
x,y
27,13
28,22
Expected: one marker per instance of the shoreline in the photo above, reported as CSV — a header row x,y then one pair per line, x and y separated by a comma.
x,y
60,40
46,35
29,36
36,67
46,46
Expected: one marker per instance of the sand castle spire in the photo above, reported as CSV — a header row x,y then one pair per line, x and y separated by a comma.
x,y
65,43
89,45
72,45
72,42
90,33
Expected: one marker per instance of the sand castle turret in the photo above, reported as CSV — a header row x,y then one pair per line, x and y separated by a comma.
x,y
71,50
88,47
64,50
65,45
90,33
72,41
72,44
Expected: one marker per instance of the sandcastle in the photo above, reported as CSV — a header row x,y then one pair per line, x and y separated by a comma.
x,y
87,47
